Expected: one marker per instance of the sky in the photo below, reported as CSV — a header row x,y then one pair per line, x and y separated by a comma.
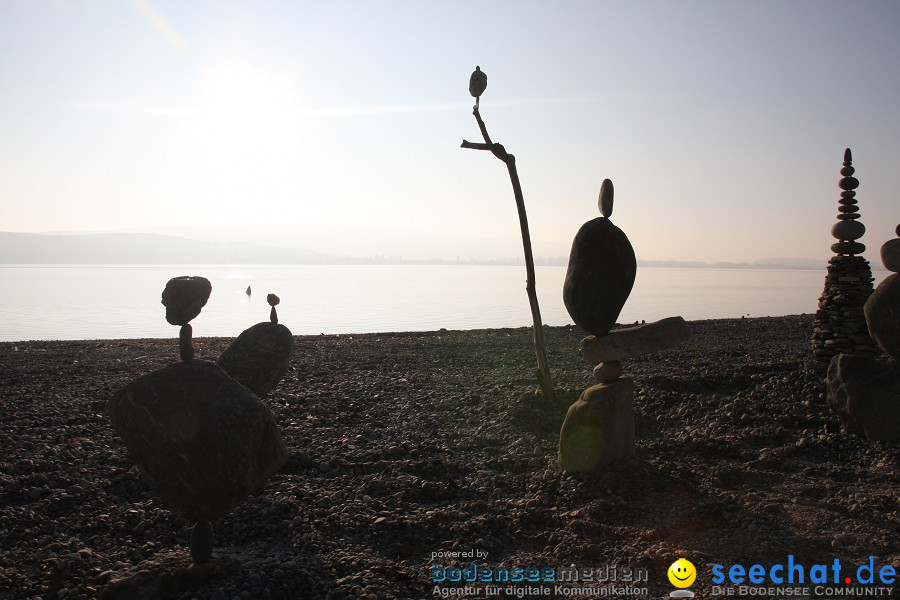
x,y
337,124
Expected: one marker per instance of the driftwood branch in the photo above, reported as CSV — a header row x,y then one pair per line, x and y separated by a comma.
x,y
542,372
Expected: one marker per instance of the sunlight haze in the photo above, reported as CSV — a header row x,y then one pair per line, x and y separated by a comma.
x,y
722,124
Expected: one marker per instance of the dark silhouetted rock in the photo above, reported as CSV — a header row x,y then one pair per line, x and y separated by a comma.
x,y
259,357
203,441
599,427
631,342
882,311
273,300
202,541
184,297
186,343
865,393
600,276
890,255
605,202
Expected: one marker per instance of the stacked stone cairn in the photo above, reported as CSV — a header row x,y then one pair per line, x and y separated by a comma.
x,y
840,325
599,426
863,391
203,441
259,358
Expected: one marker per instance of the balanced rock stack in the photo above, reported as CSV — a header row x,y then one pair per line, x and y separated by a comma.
x,y
599,426
259,358
840,324
203,441
865,392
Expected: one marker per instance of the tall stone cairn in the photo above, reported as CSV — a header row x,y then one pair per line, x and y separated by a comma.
x,y
840,324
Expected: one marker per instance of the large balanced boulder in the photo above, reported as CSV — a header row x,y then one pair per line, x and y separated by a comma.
x,y
184,297
882,311
601,272
203,441
865,394
599,427
258,358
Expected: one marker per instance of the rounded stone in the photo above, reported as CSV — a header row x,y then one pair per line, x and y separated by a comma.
x,y
890,255
897,231
848,183
608,371
184,297
273,300
847,216
848,195
848,248
605,202
849,208
882,312
601,272
848,170
848,230
260,356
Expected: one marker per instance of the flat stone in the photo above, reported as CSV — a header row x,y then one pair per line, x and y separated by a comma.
x,y
882,311
184,297
607,371
259,358
865,394
202,441
601,272
599,427
848,248
631,342
890,255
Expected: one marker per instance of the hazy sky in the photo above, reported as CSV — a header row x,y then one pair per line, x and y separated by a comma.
x,y
721,123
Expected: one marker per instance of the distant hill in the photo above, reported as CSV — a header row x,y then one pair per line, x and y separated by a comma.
x,y
144,248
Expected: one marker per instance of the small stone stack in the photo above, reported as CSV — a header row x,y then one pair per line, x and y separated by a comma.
x,y
599,427
840,324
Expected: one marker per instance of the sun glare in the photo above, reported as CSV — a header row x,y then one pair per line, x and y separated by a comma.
x,y
245,127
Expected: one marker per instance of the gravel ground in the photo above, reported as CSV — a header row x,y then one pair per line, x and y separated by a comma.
x,y
405,445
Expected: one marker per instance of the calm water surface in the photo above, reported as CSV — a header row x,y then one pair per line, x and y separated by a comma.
x,y
50,302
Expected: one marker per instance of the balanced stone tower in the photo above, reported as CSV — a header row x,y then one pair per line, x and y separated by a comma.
x,y
203,441
863,391
599,426
259,358
840,325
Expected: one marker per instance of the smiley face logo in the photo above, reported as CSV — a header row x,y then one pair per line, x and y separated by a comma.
x,y
682,573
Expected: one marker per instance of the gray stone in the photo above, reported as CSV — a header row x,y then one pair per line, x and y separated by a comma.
x,y
865,394
259,358
605,202
599,427
882,311
184,297
607,371
890,255
600,276
631,342
203,441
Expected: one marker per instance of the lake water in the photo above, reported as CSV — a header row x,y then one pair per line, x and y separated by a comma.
x,y
50,302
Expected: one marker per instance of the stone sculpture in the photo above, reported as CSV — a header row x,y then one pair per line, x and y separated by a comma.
x,y
865,392
259,358
203,441
840,324
599,426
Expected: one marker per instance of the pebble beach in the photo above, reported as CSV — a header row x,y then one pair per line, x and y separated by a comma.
x,y
412,453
